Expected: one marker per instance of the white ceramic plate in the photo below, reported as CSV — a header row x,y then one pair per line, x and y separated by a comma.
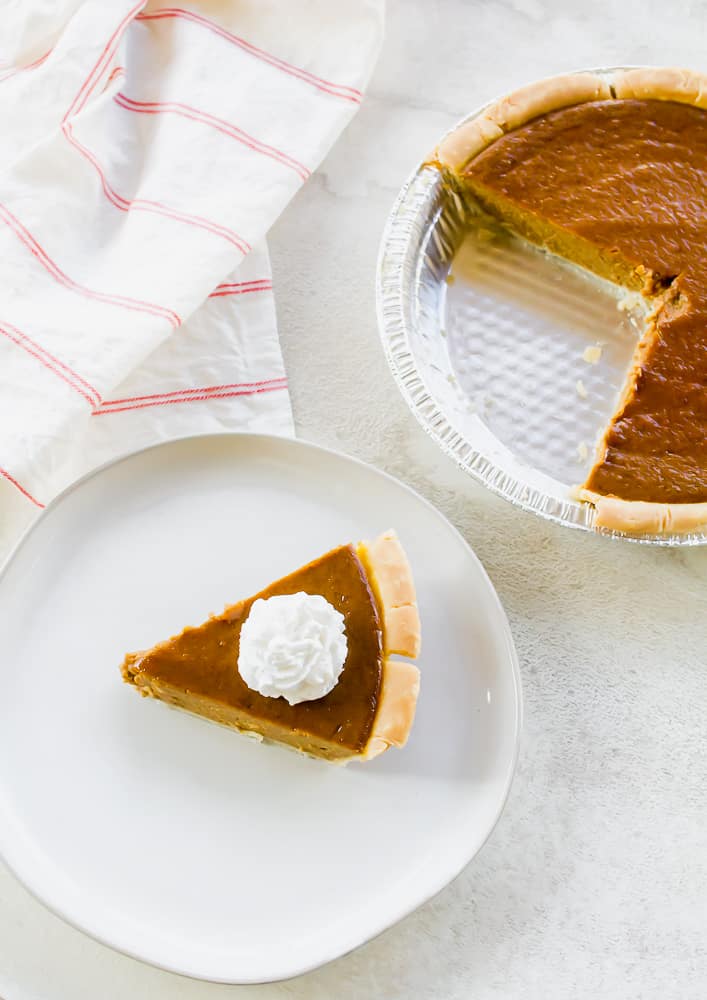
x,y
182,843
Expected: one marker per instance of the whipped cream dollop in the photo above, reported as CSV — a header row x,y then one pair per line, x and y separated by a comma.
x,y
293,646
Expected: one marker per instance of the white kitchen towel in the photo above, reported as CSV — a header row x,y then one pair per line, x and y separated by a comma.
x,y
147,150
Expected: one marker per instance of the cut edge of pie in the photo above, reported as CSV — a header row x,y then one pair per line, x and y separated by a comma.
x,y
471,138
390,579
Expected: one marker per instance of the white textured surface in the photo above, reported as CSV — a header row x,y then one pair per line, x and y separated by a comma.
x,y
595,883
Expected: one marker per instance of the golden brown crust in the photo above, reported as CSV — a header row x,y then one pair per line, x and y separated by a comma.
x,y
396,708
508,113
390,575
391,578
465,142
547,95
642,517
662,84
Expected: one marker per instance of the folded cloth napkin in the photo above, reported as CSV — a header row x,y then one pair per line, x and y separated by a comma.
x,y
147,150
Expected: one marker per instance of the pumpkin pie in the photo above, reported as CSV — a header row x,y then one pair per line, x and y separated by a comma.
x,y
370,708
610,173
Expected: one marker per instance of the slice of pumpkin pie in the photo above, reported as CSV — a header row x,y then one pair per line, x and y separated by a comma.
x,y
306,661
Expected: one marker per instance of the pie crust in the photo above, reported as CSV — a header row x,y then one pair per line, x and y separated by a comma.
x,y
662,84
390,576
468,140
644,517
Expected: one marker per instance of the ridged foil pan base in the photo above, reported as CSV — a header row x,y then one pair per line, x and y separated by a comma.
x,y
511,359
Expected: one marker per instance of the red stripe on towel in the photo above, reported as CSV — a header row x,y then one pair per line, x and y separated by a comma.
x,y
185,111
49,361
335,89
23,491
56,272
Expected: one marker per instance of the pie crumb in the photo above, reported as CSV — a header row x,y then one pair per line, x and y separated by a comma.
x,y
631,302
581,389
582,452
592,354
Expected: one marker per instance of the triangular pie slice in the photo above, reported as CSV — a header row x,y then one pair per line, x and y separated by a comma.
x,y
610,172
372,706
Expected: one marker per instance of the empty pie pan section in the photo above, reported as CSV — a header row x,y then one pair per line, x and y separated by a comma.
x,y
511,359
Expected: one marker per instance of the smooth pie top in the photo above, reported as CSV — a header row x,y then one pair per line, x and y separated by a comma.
x,y
630,178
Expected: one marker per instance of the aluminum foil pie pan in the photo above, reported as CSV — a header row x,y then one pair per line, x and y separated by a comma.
x,y
511,359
